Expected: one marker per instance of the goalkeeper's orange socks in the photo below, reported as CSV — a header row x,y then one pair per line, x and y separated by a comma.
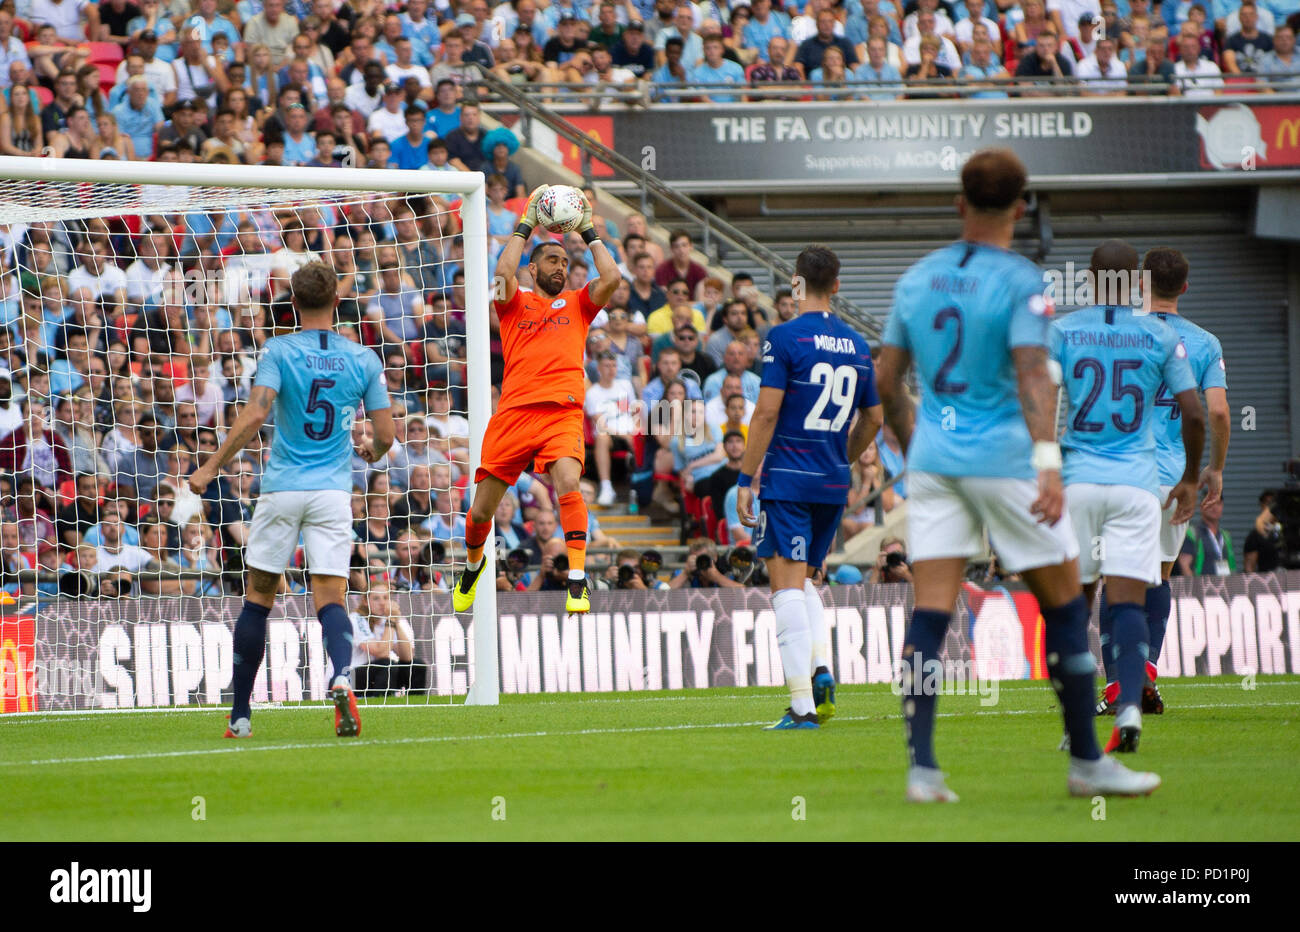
x,y
476,536
249,646
336,629
573,518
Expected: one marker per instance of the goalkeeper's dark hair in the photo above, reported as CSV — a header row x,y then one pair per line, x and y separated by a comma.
x,y
818,267
315,288
537,250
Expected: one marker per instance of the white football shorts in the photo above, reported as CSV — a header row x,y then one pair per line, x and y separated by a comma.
x,y
948,515
1172,536
1118,529
322,518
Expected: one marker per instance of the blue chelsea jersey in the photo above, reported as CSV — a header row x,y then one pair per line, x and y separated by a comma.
x,y
824,367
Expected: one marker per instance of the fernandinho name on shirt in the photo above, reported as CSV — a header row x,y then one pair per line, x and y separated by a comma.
x,y
1109,338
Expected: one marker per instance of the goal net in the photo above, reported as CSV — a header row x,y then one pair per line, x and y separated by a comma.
x,y
136,300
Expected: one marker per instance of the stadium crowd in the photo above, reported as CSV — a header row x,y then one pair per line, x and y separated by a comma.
x,y
310,82
122,362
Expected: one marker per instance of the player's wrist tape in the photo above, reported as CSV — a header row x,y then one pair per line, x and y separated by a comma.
x,y
743,481
589,235
1047,455
524,229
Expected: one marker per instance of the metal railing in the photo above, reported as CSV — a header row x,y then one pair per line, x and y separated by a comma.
x,y
644,93
717,235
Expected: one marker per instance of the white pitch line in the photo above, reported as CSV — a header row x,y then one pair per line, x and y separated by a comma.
x,y
441,739
76,715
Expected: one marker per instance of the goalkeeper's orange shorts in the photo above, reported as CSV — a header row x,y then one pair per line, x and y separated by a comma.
x,y
537,433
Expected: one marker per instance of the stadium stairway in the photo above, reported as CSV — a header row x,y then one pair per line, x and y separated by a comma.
x,y
634,530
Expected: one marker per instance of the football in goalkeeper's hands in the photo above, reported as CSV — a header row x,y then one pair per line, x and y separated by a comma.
x,y
560,207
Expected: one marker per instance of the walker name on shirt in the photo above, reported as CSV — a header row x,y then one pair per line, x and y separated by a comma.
x,y
954,284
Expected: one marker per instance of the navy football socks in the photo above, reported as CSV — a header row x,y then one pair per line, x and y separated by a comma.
x,y
922,645
337,631
1071,667
249,646
1157,608
1129,624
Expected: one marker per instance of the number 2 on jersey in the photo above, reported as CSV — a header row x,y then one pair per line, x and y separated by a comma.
x,y
316,403
941,383
839,384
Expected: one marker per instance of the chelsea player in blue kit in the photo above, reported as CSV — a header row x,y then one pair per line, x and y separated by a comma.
x,y
817,373
1114,364
982,455
315,380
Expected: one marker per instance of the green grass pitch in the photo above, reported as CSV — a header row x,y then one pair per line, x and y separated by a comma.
x,y
656,766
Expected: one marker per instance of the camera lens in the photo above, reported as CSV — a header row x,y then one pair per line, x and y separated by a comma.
x,y
702,563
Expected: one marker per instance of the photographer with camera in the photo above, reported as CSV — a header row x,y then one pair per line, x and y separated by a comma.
x,y
701,571
631,570
891,563
554,573
512,570
744,568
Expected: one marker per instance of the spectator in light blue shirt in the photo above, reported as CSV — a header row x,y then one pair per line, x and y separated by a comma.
x,y
763,25
983,64
140,115
875,68
683,28
673,70
207,22
444,116
717,70
299,145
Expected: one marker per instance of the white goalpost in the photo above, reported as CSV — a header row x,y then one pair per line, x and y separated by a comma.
x,y
136,298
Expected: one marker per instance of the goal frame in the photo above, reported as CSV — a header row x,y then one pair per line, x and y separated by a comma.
x,y
470,186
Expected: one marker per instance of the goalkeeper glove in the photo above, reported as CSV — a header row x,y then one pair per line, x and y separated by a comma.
x,y
587,228
528,221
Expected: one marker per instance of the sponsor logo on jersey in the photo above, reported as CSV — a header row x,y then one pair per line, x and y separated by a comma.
x,y
546,323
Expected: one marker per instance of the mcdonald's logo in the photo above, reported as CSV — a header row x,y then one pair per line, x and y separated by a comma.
x,y
597,128
1289,129
13,679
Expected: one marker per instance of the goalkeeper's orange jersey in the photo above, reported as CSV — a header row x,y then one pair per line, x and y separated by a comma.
x,y
543,340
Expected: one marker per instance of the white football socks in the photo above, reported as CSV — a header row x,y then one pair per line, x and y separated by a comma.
x,y
795,642
817,626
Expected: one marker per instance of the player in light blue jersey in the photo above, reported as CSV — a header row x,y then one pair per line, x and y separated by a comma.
x,y
817,374
982,455
1166,269
315,380
1114,362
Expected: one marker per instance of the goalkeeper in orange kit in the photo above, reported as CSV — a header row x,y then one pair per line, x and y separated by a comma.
x,y
539,418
